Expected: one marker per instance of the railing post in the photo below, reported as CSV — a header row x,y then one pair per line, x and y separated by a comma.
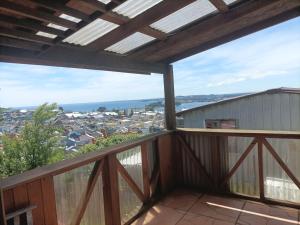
x,y
216,160
111,191
2,209
145,168
170,115
260,168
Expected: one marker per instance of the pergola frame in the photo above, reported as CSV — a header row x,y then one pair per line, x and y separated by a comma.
x,y
22,19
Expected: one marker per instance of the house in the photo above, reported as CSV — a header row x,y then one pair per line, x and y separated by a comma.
x,y
275,109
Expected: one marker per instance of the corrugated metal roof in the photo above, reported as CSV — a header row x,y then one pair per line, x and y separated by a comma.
x,y
131,42
104,1
70,18
184,16
57,26
229,2
132,8
44,34
91,32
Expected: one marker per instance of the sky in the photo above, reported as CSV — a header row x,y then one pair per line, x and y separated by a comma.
x,y
260,61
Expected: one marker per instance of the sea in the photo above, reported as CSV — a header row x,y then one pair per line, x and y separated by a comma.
x,y
120,105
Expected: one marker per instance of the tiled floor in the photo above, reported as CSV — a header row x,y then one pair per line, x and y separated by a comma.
x,y
184,207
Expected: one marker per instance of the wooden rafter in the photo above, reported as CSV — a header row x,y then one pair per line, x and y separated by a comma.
x,y
220,5
22,44
155,13
130,181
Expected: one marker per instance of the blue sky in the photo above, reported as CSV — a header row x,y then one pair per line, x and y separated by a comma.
x,y
263,60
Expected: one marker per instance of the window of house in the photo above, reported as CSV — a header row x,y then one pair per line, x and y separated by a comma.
x,y
221,123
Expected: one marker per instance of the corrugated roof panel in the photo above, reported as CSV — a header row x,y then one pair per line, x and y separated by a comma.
x,y
47,35
131,42
70,18
132,8
229,2
184,16
104,1
91,32
57,26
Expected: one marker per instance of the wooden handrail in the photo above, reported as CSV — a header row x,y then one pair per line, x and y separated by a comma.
x,y
243,133
69,164
20,212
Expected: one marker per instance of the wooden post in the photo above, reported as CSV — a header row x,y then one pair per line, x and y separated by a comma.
x,y
260,169
111,191
145,168
2,209
170,115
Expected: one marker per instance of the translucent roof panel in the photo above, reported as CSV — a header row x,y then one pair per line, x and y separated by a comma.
x,y
58,27
229,2
104,1
47,35
184,16
131,42
132,8
70,18
91,32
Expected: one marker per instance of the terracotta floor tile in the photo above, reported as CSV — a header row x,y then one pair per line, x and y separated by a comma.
x,y
193,219
180,199
201,207
277,212
160,215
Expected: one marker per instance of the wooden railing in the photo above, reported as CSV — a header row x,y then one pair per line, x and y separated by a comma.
x,y
115,185
97,170
224,160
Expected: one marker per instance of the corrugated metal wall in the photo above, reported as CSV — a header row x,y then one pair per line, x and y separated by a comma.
x,y
263,112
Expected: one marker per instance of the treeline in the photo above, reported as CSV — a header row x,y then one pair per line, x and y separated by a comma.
x,y
38,143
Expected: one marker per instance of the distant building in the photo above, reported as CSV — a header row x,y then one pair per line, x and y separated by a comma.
x,y
275,109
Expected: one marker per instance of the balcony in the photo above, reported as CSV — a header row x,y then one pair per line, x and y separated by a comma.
x,y
187,176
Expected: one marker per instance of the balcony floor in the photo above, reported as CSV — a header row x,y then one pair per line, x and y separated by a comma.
x,y
183,207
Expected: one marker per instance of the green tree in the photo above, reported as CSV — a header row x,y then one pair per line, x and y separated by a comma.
x,y
37,144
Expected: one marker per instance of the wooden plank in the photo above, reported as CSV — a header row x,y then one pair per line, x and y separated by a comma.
x,y
151,15
9,204
111,191
66,165
21,200
193,157
35,14
167,167
220,5
243,133
19,212
170,114
281,163
123,172
145,169
260,169
35,196
84,200
15,43
240,161
49,200
2,209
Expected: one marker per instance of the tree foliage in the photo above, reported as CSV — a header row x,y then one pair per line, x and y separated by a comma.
x,y
37,144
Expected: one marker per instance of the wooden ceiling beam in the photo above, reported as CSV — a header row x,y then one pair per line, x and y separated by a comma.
x,y
237,18
30,25
15,43
155,13
21,35
64,57
220,5
35,14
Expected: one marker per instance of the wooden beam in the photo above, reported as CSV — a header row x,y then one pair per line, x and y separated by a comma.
x,y
86,195
193,157
30,25
145,169
155,13
130,181
111,191
21,35
220,5
15,43
2,208
35,14
260,168
220,25
281,163
239,162
66,57
170,114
